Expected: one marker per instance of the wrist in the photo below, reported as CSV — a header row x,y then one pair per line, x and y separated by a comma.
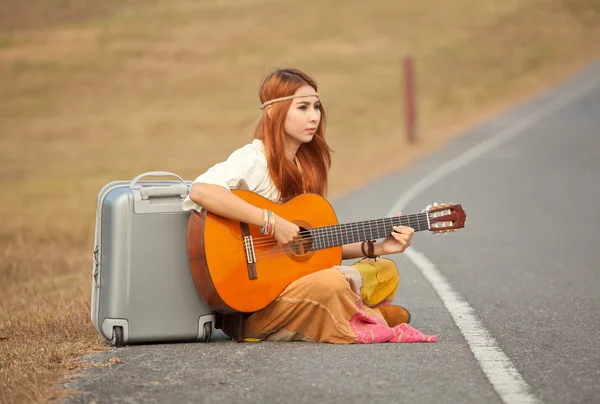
x,y
258,217
378,248
268,227
370,249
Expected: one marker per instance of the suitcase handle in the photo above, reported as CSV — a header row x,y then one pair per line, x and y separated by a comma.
x,y
180,190
133,182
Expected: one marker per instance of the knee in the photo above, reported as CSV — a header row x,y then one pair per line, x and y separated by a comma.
x,y
380,271
388,271
389,279
380,280
328,282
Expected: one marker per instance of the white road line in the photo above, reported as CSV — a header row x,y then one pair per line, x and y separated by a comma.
x,y
498,368
489,144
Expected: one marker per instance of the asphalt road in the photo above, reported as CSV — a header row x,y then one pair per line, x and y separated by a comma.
x,y
527,265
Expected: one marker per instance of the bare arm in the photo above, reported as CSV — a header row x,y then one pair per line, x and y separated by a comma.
x,y
222,202
351,251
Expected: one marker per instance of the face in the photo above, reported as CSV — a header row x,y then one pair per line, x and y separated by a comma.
x,y
302,118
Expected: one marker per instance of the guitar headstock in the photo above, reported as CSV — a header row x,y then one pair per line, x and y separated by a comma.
x,y
445,218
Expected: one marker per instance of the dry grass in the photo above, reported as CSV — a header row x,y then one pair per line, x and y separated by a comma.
x,y
90,94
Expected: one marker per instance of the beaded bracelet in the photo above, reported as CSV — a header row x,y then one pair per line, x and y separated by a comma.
x,y
268,228
271,223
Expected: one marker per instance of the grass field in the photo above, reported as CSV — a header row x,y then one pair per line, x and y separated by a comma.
x,y
91,93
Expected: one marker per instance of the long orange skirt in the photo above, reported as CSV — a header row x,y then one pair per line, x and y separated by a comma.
x,y
337,305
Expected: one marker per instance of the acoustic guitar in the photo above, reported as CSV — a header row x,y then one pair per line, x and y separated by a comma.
x,y
237,269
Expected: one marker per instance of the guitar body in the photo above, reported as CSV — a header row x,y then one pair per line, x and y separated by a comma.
x,y
219,251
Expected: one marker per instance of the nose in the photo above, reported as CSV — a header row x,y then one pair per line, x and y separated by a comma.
x,y
315,115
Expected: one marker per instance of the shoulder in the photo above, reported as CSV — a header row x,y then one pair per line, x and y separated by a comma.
x,y
249,154
254,149
245,168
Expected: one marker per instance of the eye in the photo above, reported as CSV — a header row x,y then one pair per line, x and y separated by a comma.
x,y
303,106
317,105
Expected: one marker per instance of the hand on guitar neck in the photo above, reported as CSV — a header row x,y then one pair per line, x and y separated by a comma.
x,y
398,241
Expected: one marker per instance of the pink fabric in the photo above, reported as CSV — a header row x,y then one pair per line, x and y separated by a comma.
x,y
371,329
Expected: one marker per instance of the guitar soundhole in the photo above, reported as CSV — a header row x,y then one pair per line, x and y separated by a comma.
x,y
302,246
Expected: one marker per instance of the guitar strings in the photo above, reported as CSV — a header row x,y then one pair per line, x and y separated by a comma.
x,y
325,232
322,236
353,227
325,235
261,241
306,235
280,250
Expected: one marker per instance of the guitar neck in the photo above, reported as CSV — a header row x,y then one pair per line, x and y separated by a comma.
x,y
334,236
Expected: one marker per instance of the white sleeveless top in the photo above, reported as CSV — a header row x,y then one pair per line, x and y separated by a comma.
x,y
245,169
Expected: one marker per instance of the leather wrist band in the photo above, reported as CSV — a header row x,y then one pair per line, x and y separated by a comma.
x,y
362,248
370,253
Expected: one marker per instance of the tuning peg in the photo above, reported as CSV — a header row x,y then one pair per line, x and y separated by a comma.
x,y
429,207
444,231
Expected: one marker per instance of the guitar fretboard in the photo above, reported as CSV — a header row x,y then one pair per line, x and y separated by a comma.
x,y
333,236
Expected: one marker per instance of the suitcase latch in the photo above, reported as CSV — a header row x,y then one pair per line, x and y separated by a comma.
x,y
96,266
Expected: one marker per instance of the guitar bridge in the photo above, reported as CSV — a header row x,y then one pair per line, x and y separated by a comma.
x,y
249,246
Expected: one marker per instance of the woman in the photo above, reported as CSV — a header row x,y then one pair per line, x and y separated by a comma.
x,y
289,156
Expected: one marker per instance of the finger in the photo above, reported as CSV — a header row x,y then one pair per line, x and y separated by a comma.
x,y
404,241
404,229
400,238
399,214
406,237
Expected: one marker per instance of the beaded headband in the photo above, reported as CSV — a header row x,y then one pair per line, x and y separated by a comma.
x,y
289,97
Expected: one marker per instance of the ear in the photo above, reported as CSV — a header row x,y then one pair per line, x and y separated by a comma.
x,y
269,111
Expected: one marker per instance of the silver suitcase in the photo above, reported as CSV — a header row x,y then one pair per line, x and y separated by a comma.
x,y
142,286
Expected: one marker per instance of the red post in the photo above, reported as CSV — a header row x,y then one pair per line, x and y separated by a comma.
x,y
410,108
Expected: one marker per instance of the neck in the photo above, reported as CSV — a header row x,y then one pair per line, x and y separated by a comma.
x,y
290,150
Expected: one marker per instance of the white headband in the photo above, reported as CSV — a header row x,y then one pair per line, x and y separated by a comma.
x,y
289,97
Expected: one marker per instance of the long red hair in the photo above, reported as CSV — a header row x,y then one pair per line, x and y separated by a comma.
x,y
314,157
